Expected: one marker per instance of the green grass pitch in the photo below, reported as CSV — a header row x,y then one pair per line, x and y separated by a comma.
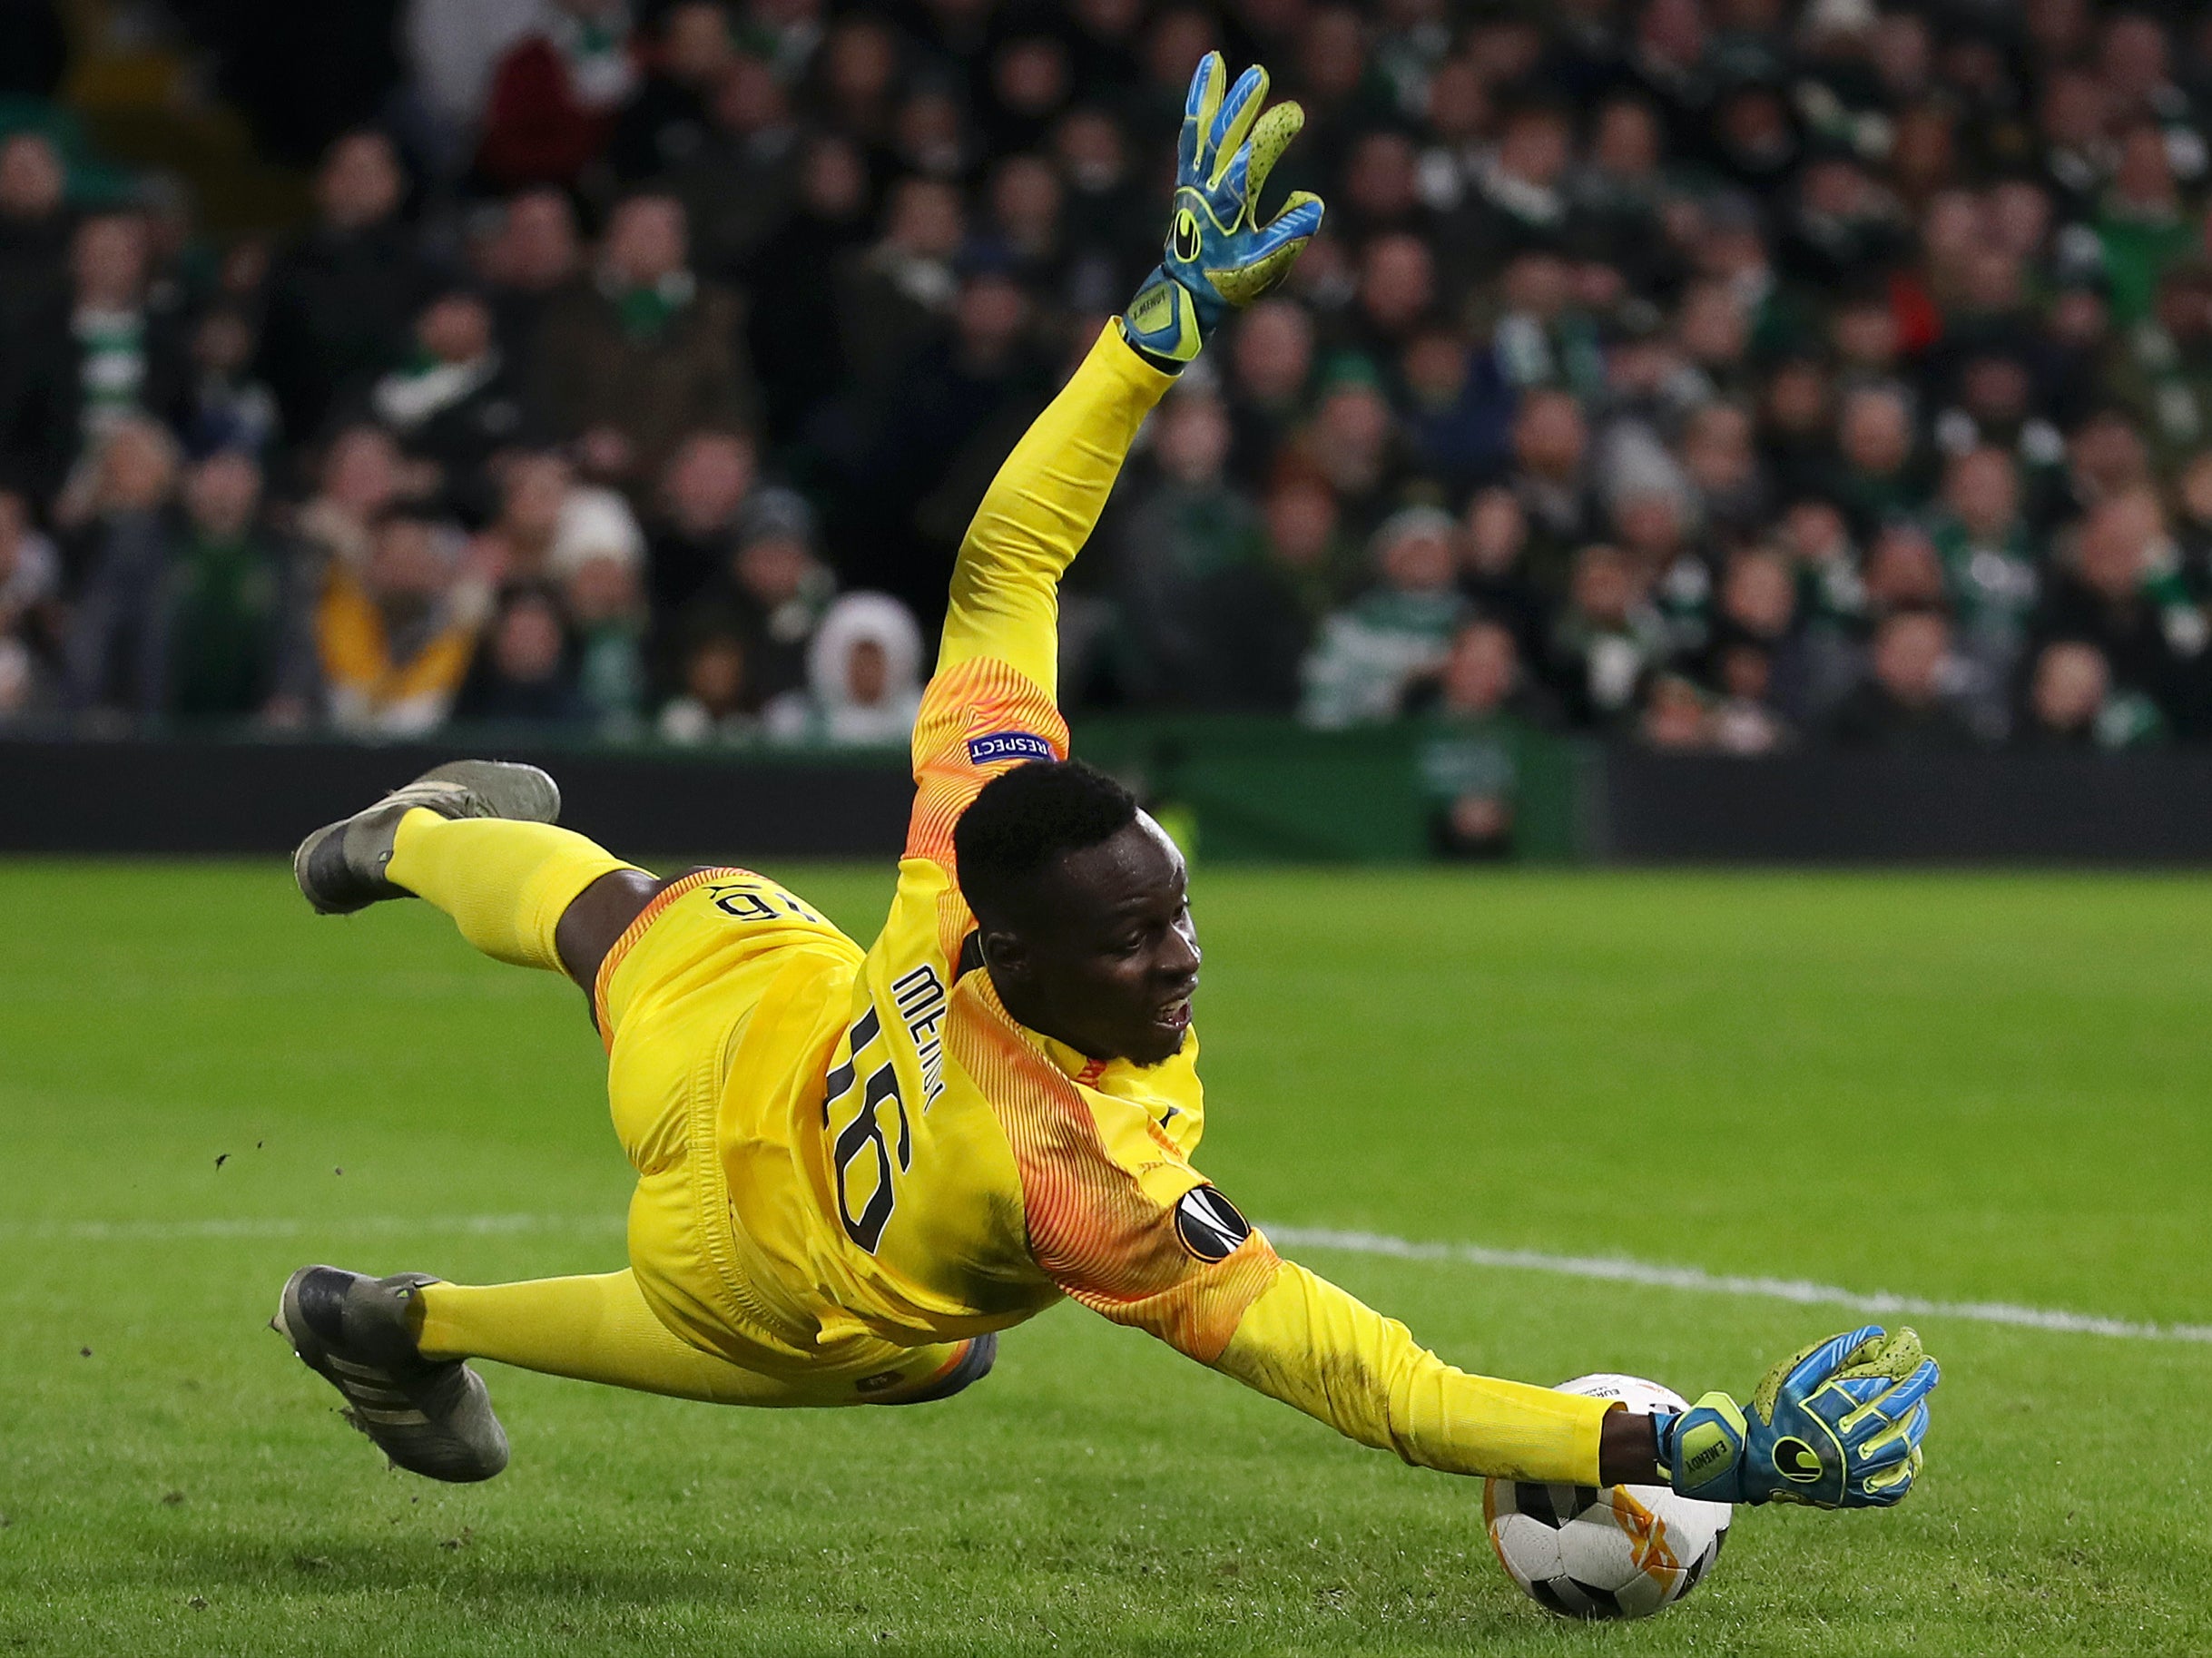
x,y
1967,1088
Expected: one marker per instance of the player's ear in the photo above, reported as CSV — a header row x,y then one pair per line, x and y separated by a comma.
x,y
1005,954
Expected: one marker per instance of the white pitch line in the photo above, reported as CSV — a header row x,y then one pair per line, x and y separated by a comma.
x,y
1614,1270
1601,1268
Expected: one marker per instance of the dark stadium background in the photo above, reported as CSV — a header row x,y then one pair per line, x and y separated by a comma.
x,y
1725,430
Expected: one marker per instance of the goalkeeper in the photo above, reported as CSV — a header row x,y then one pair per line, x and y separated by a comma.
x,y
856,1167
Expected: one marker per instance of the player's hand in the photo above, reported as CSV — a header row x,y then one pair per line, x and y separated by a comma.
x,y
1837,1426
1219,255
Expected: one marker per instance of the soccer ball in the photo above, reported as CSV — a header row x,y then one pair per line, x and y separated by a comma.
x,y
1622,1552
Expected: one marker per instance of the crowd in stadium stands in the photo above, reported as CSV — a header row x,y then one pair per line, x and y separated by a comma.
x,y
1715,374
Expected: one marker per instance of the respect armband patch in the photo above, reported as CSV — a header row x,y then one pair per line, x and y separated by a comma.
x,y
1001,746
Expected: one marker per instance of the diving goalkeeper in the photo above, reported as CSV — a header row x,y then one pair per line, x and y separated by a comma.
x,y
856,1167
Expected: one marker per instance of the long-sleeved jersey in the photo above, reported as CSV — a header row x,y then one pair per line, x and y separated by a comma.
x,y
909,1164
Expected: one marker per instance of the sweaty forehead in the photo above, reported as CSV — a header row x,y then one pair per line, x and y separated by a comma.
x,y
1131,872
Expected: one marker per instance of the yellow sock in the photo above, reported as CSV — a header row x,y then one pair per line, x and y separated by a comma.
x,y
505,885
596,1329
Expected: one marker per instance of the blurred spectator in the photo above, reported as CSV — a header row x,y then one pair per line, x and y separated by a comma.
x,y
342,298
2071,703
451,48
127,356
227,408
1187,531
1307,548
1721,467
704,491
1469,768
1457,414
1551,443
863,684
666,122
2193,520
1796,426
894,296
122,518
1109,211
1991,569
1494,571
455,403
1520,202
2141,226
34,227
2162,371
1901,706
1756,659
943,426
1369,655
2121,590
30,613
793,307
645,353
95,357
1675,715
395,637
524,673
1605,639
715,704
737,183
1353,445
547,523
1269,370
1876,478
1744,719
772,592
529,258
231,614
607,617
554,94
359,478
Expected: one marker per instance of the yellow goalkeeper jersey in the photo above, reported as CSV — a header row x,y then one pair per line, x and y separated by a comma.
x,y
969,1173
907,1162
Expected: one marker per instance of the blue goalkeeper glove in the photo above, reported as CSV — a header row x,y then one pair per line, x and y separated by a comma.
x,y
1219,255
1837,1426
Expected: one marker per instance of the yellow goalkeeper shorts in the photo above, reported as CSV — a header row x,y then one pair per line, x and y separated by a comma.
x,y
720,1261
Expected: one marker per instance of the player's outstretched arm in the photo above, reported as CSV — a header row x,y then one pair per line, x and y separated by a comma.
x,y
1046,500
1837,1426
1318,1348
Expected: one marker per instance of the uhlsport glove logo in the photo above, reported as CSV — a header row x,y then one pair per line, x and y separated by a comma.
x,y
1186,243
1796,1460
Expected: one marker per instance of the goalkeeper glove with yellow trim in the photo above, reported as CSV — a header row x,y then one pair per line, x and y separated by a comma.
x,y
1219,256
1837,1426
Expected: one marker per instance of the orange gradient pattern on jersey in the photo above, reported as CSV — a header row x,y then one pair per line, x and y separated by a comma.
x,y
1093,1228
978,697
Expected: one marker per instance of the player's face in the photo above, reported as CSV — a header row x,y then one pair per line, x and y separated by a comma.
x,y
1112,962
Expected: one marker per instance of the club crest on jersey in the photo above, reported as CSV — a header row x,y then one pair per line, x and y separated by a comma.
x,y
1209,1224
1007,745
